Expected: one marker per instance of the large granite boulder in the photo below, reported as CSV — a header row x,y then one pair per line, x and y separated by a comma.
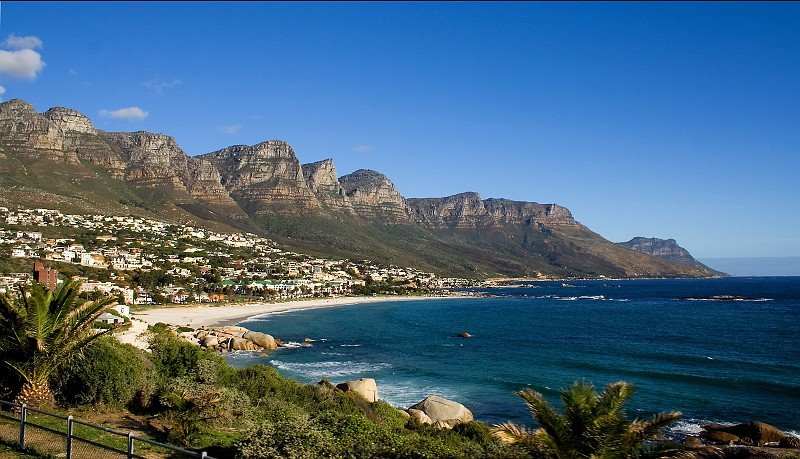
x,y
420,416
364,387
242,344
262,339
756,433
444,410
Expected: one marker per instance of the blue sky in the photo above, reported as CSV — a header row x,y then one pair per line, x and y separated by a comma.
x,y
673,120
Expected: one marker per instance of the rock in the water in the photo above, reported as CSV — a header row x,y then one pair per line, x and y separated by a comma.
x,y
441,409
691,441
758,433
789,441
464,335
364,387
261,339
420,416
242,344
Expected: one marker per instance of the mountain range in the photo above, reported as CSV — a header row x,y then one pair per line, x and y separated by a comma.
x,y
59,159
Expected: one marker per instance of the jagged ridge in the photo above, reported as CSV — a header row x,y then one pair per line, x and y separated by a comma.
x,y
265,185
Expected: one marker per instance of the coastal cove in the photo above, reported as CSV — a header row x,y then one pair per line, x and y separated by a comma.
x,y
719,350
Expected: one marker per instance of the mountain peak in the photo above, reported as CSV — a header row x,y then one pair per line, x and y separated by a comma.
x,y
69,119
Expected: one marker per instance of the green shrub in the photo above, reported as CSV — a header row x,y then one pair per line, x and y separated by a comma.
x,y
108,372
174,357
390,417
293,440
478,432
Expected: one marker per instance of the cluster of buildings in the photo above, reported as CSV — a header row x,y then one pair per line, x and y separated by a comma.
x,y
194,265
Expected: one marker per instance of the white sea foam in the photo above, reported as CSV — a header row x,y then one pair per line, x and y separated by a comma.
x,y
349,345
329,369
404,393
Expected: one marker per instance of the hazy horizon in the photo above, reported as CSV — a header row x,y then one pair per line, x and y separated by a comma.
x,y
755,266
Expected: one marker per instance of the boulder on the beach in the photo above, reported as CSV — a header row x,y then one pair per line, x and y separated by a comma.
x,y
756,433
420,416
403,413
200,334
241,344
789,441
261,339
231,330
209,341
441,409
365,387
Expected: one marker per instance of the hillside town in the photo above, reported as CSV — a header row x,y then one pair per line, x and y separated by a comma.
x,y
145,261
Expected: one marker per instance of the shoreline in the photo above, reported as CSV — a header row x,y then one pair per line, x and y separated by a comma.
x,y
230,314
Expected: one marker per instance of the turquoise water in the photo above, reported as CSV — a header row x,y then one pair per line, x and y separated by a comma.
x,y
715,360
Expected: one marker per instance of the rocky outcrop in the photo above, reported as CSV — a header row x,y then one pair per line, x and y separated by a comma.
x,y
526,213
666,249
233,338
321,179
467,210
441,410
751,433
374,197
464,210
30,134
68,119
152,160
205,183
365,387
267,176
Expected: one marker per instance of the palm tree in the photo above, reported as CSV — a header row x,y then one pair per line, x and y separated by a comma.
x,y
42,331
592,425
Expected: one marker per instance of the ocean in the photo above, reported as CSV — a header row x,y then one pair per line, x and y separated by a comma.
x,y
718,350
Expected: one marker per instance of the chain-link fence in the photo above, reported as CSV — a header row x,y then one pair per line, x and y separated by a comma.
x,y
62,436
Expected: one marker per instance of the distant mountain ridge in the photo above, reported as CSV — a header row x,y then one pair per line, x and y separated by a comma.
x,y
59,157
666,249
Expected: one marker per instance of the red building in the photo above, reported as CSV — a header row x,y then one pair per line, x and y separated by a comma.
x,y
45,276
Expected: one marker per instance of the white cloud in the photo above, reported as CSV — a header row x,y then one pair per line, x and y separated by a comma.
x,y
72,72
158,85
2,90
24,63
233,129
364,148
28,42
128,113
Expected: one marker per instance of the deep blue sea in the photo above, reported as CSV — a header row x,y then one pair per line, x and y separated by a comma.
x,y
715,360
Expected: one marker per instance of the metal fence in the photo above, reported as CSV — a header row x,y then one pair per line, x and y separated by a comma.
x,y
63,436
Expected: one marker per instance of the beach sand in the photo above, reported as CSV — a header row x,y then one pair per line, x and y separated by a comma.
x,y
213,315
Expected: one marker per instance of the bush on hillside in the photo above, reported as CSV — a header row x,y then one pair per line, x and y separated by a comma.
x,y
293,440
108,372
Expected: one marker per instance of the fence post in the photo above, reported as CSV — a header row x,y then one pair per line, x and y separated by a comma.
x,y
69,437
130,445
22,418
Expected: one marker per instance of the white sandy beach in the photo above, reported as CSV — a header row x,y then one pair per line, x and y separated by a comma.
x,y
198,316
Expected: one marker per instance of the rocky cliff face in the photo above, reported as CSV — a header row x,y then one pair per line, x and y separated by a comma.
x,y
373,196
666,249
321,179
68,119
464,210
467,210
267,176
152,160
361,214
32,135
